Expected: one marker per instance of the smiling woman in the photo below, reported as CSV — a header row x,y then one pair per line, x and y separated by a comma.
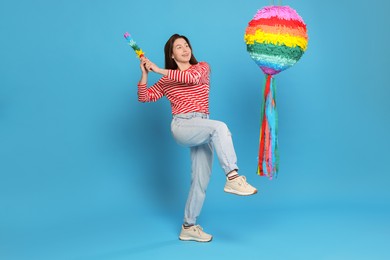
x,y
89,173
186,84
178,51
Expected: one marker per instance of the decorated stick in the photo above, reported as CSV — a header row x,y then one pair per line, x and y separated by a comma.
x,y
134,45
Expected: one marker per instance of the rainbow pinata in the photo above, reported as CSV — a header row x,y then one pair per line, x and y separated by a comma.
x,y
276,38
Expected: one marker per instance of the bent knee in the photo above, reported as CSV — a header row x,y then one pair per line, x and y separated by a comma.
x,y
222,129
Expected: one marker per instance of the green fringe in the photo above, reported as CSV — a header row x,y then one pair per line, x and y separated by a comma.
x,y
277,50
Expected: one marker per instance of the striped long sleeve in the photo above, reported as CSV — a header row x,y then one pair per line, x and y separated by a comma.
x,y
151,94
191,76
187,91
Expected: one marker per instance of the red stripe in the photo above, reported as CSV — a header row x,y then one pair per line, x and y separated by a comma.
x,y
277,21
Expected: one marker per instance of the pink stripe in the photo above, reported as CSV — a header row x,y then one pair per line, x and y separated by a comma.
x,y
284,12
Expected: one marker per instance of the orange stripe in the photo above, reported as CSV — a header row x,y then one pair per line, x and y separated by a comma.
x,y
277,30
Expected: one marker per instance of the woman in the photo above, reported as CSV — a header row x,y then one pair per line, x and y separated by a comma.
x,y
185,83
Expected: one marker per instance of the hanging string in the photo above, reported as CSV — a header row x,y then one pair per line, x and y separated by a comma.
x,y
280,2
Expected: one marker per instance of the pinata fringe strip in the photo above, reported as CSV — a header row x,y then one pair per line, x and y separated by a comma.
x,y
276,29
276,50
284,12
278,39
268,160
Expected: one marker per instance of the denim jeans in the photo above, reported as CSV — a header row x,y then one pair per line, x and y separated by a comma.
x,y
202,136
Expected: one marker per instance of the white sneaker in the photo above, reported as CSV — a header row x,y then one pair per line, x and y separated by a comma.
x,y
194,233
239,186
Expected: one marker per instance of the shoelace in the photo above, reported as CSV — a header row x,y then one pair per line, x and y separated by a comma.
x,y
199,227
242,180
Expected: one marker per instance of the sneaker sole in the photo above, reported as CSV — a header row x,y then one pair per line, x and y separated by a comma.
x,y
229,190
194,239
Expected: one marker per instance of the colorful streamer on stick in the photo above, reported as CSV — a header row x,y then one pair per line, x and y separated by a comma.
x,y
276,38
134,45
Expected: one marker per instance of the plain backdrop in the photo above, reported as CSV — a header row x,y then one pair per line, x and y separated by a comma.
x,y
88,172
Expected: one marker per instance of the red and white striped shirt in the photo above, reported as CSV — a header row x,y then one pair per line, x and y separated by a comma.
x,y
188,90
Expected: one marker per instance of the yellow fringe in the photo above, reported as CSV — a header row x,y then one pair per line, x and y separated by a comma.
x,y
139,53
277,39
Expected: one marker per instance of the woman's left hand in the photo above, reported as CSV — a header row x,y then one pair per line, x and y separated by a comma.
x,y
150,66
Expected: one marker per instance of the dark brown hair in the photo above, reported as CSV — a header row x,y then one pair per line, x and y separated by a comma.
x,y
170,63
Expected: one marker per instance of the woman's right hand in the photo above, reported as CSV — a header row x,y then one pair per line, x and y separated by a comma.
x,y
142,65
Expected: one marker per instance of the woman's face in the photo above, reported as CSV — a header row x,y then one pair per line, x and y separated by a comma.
x,y
181,51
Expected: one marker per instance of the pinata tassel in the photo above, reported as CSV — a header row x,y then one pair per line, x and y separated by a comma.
x,y
275,139
268,154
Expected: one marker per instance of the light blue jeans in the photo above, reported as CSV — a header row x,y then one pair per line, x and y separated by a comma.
x,y
202,135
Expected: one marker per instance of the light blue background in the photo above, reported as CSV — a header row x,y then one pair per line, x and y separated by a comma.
x,y
87,172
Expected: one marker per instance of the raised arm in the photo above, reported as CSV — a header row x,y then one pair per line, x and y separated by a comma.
x,y
146,94
195,75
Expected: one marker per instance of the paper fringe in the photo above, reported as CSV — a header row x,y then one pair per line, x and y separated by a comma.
x,y
138,51
268,160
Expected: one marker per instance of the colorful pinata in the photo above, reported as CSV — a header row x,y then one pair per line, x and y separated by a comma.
x,y
276,38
